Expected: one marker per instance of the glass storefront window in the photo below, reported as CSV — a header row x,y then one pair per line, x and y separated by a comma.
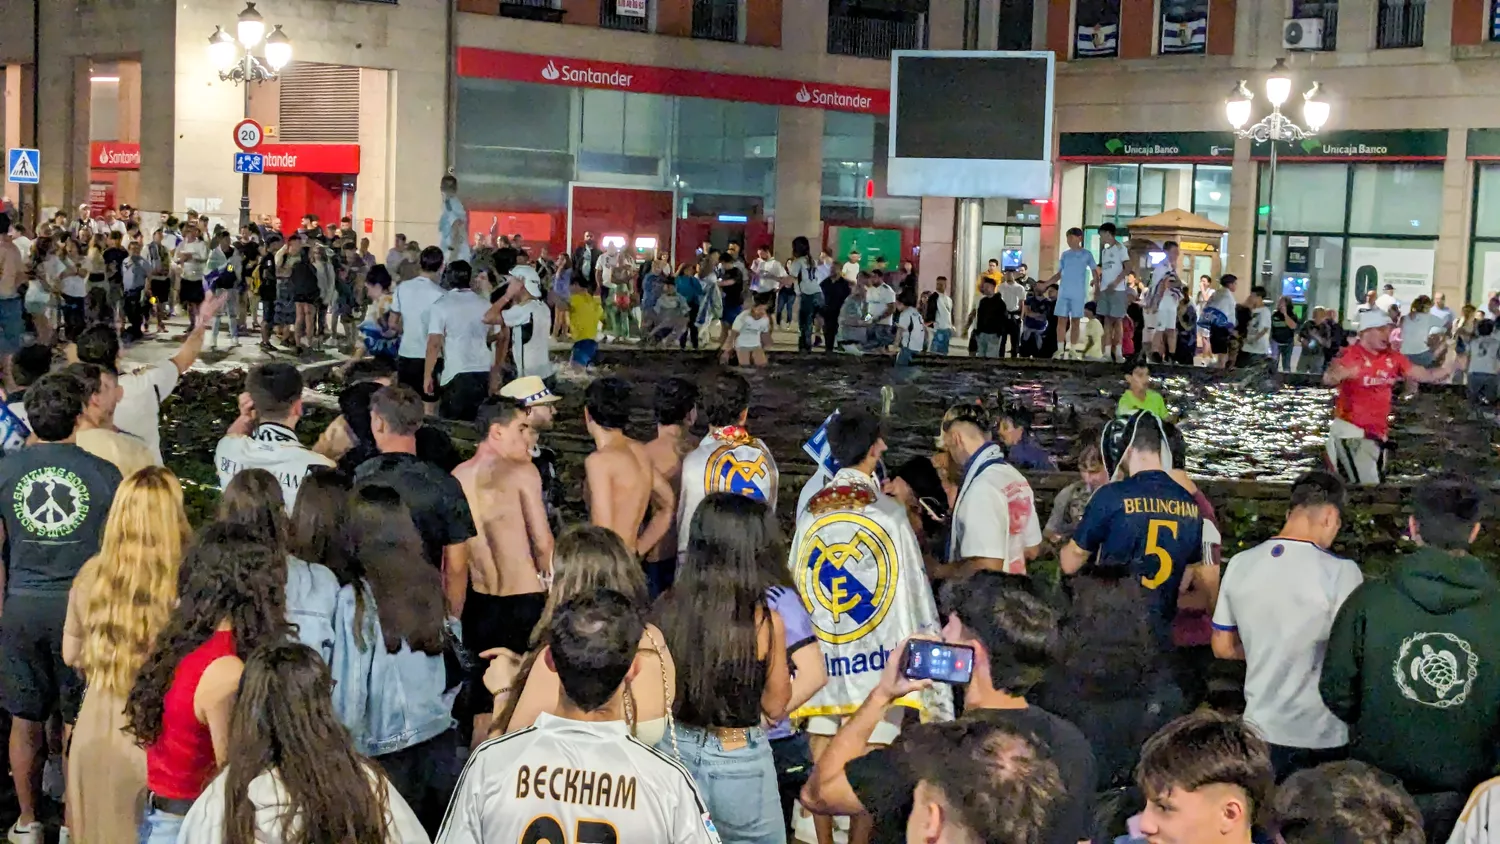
x,y
1487,202
725,152
1211,185
502,161
854,160
1402,199
1325,269
1110,194
624,134
1484,272
1022,211
1153,190
1309,197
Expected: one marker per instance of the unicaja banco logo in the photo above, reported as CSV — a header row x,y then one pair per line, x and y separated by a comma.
x,y
804,95
586,76
1311,144
1114,145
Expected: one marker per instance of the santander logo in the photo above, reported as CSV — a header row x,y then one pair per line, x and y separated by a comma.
x,y
110,157
804,95
586,76
836,99
286,160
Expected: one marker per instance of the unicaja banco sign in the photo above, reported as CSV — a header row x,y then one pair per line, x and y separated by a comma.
x,y
586,76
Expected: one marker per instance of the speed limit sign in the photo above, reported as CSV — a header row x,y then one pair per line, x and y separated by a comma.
x,y
248,135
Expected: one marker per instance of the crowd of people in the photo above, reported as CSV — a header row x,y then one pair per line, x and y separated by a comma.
x,y
376,640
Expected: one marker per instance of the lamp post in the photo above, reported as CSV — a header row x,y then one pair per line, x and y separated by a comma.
x,y
233,58
1274,128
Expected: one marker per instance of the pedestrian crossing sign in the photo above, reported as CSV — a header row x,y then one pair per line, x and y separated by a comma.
x,y
24,166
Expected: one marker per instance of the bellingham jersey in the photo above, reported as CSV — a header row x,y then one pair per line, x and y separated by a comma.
x,y
1151,525
727,460
563,781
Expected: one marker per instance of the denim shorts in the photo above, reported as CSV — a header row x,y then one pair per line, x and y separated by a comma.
x,y
739,786
158,827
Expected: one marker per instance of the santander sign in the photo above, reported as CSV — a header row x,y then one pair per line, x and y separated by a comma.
x,y
833,99
586,76
115,155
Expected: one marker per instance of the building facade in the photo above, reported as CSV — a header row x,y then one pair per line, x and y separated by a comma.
x,y
667,123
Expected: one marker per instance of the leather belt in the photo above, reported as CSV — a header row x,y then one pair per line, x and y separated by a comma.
x,y
170,805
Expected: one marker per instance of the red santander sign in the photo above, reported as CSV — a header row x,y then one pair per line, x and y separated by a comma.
x,y
340,159
648,79
114,155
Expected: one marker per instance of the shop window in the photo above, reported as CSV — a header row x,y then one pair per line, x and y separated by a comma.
x,y
1211,185
1110,193
1324,270
1324,10
1096,26
1184,26
514,163
1020,211
1400,23
1016,18
1399,199
854,160
1484,263
716,20
625,134
1487,202
726,149
1309,197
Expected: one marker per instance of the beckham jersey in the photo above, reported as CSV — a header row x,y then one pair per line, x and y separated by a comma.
x,y
575,782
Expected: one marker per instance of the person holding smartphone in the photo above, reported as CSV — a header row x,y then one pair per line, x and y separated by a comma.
x,y
1011,634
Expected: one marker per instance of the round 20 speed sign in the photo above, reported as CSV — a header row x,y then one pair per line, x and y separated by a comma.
x,y
248,134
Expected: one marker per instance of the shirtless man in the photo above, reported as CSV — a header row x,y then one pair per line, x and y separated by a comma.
x,y
510,559
620,483
12,318
676,409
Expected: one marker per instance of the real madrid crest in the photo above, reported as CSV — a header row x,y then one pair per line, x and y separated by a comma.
x,y
846,571
737,468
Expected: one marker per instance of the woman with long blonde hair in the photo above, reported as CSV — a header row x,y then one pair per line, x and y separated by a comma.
x,y
587,559
119,601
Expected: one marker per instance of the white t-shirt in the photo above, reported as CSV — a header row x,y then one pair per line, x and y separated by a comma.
x,y
996,518
1415,329
850,271
413,300
197,262
1012,293
1386,301
1223,301
750,330
531,357
1281,597
1260,323
943,321
878,299
459,317
915,337
1093,338
274,448
1112,261
577,781
139,410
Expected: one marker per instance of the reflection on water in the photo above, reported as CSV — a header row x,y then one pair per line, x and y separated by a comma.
x,y
1235,431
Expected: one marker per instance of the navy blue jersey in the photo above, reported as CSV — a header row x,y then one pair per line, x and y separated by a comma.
x,y
1151,525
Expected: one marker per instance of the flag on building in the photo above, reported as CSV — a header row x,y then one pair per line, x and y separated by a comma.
x,y
1101,39
1188,36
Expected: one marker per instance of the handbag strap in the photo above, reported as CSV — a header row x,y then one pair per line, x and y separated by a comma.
x,y
666,689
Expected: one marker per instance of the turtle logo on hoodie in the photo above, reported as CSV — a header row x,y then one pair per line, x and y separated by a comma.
x,y
1436,669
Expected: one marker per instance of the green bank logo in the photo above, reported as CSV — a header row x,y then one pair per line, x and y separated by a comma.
x,y
1114,145
1311,144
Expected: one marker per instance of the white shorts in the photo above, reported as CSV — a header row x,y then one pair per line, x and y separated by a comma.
x,y
1353,456
1164,318
885,732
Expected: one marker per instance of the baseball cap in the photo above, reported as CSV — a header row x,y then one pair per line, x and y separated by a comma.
x,y
529,390
1373,318
528,275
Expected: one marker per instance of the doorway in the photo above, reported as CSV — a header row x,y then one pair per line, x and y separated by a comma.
x,y
637,221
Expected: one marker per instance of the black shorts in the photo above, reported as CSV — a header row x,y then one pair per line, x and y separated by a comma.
x,y
34,680
191,292
410,371
496,622
461,397
161,291
1218,339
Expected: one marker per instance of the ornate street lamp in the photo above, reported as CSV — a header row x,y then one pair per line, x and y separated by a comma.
x,y
232,57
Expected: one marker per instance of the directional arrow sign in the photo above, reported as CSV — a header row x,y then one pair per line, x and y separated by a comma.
x,y
251,163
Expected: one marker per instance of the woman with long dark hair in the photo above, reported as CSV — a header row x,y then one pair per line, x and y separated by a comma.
x,y
808,289
732,665
252,501
293,774
312,589
231,599
391,680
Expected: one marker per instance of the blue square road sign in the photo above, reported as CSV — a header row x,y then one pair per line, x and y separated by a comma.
x,y
252,163
24,166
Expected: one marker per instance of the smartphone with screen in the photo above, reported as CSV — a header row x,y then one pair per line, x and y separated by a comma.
x,y
945,663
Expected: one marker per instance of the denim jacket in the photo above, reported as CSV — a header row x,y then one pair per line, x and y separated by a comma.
x,y
389,701
312,594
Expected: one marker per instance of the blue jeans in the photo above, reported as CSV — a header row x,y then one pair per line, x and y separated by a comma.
x,y
905,357
738,786
940,338
159,827
808,308
786,297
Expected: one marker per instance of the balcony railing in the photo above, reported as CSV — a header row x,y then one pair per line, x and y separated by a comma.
x,y
1400,24
716,20
609,18
873,38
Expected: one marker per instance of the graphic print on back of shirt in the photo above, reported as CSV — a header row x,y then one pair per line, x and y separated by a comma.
x,y
736,467
1435,669
51,502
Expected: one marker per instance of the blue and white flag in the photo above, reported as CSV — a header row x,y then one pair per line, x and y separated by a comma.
x,y
1188,36
1099,40
13,431
817,447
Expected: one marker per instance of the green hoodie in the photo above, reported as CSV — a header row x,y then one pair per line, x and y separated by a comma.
x,y
1410,669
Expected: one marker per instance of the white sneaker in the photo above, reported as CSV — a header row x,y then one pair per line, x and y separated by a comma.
x,y
30,834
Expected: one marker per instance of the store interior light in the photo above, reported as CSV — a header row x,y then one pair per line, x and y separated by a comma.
x,y
104,79
1042,201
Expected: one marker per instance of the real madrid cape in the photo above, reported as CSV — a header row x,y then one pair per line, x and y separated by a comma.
x,y
859,570
727,460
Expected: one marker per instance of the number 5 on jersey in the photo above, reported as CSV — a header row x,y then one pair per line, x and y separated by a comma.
x,y
1154,549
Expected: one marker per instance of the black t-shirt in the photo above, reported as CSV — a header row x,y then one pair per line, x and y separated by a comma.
x,y
62,496
992,316
1281,335
435,498
114,263
734,295
884,784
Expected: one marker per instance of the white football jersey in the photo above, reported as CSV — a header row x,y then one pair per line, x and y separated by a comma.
x,y
575,782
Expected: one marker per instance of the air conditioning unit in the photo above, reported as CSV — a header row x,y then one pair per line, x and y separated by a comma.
x,y
1302,34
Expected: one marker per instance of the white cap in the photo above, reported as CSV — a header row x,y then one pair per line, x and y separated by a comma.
x,y
528,275
1373,318
529,390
